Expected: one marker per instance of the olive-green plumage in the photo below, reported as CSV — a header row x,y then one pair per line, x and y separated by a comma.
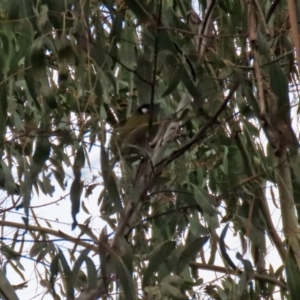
x,y
134,136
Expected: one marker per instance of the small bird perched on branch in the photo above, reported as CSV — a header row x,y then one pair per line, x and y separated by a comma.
x,y
135,136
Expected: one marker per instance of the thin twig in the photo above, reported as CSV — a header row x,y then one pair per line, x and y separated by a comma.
x,y
154,65
239,273
175,154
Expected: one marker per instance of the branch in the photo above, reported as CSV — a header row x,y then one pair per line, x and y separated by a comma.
x,y
57,233
287,205
205,27
154,67
271,10
6,290
294,18
200,135
259,277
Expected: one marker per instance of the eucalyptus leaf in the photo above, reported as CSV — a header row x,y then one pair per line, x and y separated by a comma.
x,y
157,258
190,253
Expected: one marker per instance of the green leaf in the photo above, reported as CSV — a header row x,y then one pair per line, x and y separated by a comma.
x,y
204,200
157,258
225,160
174,280
66,56
110,182
79,161
174,81
38,63
242,285
142,77
56,11
18,121
9,183
13,9
124,276
3,111
91,273
54,268
76,268
75,194
224,254
37,247
59,176
86,230
141,9
279,86
42,255
6,288
41,153
127,53
47,186
292,275
9,252
77,185
99,52
115,36
67,275
171,291
189,253
31,83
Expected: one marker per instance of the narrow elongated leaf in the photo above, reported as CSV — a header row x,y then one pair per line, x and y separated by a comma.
x,y
91,273
77,186
127,53
293,275
77,267
31,83
171,291
9,183
224,254
279,86
109,181
38,62
173,82
67,275
6,290
204,200
189,253
143,77
9,252
37,247
65,56
13,9
115,35
86,230
3,110
41,154
99,52
141,9
54,268
79,161
123,274
56,10
75,194
157,258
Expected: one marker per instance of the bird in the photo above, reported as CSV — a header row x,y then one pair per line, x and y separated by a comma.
x,y
135,136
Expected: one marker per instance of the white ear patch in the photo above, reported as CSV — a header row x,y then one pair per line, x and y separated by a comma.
x,y
145,110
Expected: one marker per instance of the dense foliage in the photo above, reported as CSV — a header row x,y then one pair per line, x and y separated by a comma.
x,y
225,74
